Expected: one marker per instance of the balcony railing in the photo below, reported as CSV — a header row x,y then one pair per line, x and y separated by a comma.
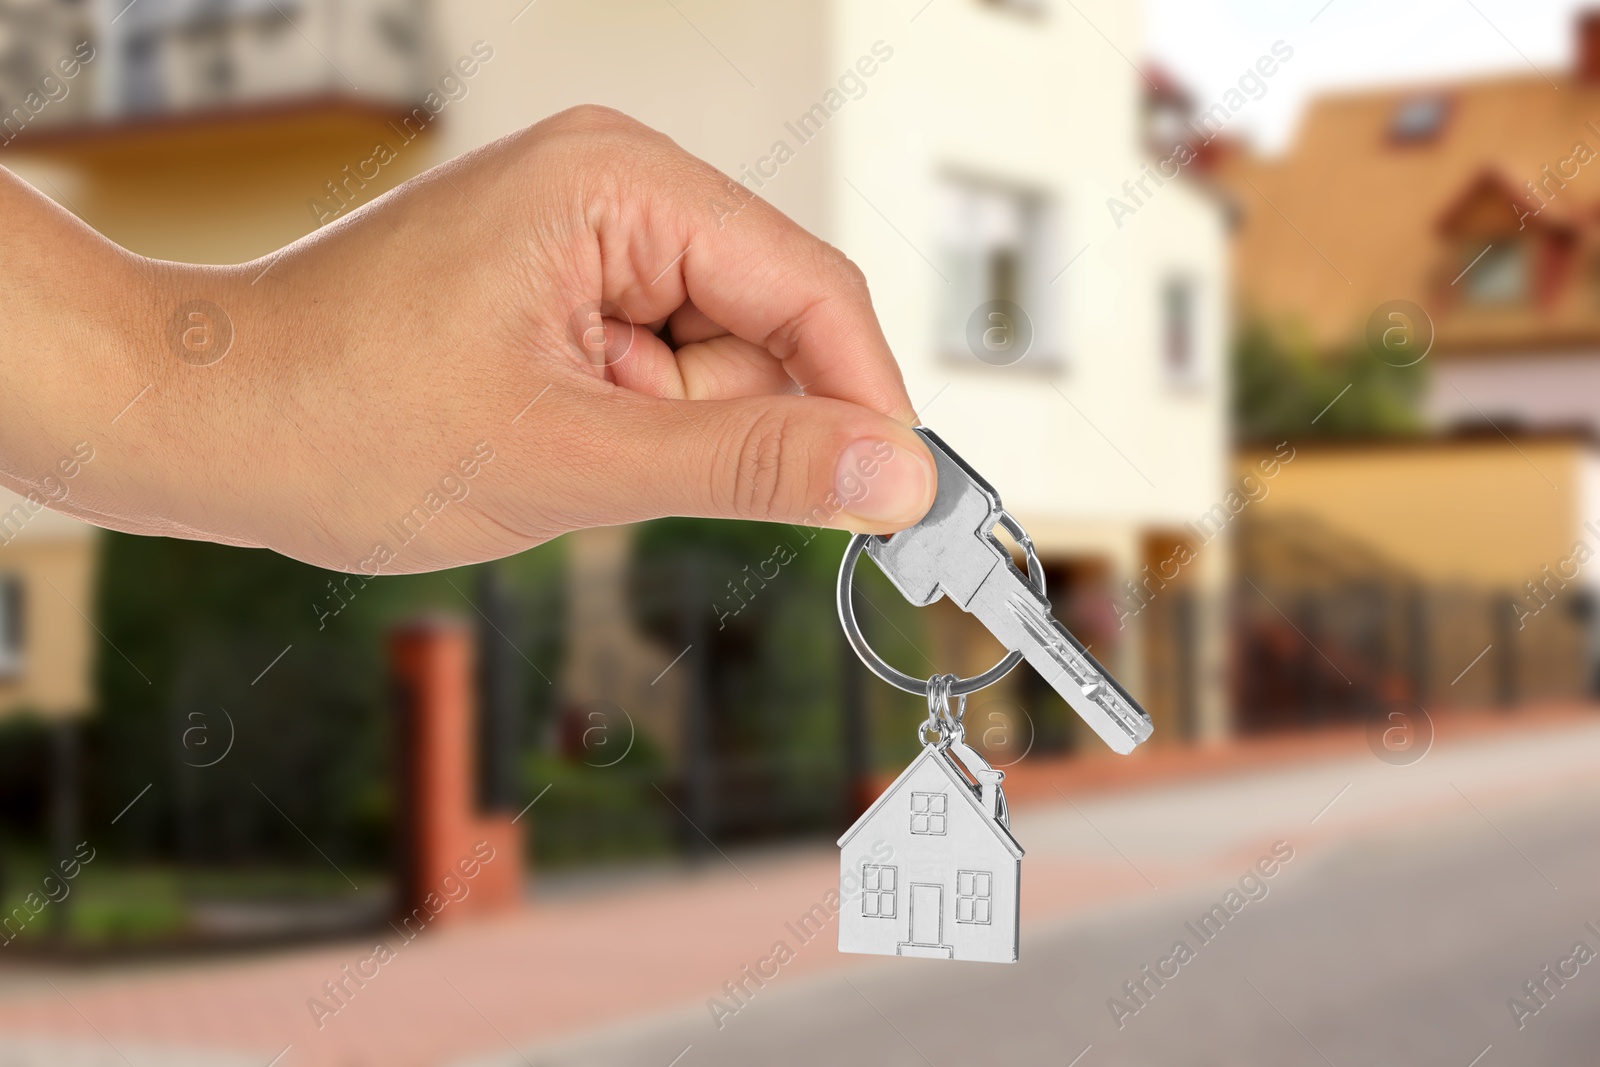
x,y
76,63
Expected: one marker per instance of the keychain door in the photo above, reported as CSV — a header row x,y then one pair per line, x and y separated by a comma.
x,y
927,914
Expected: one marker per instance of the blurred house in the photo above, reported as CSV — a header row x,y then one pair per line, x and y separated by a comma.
x,y
1078,363
1452,569
46,587
1454,228
973,191
201,130
173,57
1473,199
41,42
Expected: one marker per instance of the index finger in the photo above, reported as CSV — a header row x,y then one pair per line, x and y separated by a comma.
x,y
753,270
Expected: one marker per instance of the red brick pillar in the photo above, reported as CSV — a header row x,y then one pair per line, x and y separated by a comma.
x,y
454,862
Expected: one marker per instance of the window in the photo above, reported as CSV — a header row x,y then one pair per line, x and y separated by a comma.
x,y
877,891
1500,275
11,608
1177,328
1031,8
1418,119
998,254
928,813
143,84
973,902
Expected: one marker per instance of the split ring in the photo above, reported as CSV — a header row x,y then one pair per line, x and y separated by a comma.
x,y
899,679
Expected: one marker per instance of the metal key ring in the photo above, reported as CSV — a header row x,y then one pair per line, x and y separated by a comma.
x,y
899,679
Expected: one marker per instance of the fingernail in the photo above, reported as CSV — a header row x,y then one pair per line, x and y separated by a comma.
x,y
881,483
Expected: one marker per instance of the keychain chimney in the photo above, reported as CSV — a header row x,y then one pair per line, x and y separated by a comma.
x,y
989,783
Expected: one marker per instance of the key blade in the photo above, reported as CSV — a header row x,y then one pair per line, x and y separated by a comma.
x,y
1014,613
1079,678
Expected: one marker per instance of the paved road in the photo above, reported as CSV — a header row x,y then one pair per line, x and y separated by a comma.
x,y
1399,946
1419,898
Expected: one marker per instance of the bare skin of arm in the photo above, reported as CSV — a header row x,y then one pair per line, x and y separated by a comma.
x,y
464,345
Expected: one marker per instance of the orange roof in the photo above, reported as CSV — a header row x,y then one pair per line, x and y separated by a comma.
x,y
1354,214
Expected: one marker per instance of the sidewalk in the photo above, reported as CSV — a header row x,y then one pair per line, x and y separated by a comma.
x,y
594,955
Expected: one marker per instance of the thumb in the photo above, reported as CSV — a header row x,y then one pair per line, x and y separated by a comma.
x,y
808,460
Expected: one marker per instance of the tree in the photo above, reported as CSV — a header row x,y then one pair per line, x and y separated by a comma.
x,y
1284,388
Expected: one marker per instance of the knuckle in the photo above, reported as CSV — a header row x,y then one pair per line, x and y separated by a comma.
x,y
760,478
840,268
587,135
608,155
593,118
853,277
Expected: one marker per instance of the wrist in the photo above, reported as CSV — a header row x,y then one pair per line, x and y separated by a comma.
x,y
101,402
187,441
71,343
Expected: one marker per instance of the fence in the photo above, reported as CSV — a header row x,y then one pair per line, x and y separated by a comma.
x,y
1327,631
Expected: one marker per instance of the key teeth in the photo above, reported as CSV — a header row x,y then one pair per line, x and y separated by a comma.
x,y
1126,726
1126,739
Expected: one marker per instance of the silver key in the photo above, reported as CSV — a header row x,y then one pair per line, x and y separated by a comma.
x,y
953,552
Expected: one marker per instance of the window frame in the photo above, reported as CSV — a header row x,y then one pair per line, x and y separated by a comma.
x,y
1403,128
1524,253
1043,212
986,897
876,892
929,813
1033,10
1193,372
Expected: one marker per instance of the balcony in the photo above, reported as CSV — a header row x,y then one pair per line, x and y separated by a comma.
x,y
108,84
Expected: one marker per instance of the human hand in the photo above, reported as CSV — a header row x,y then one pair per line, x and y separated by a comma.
x,y
449,374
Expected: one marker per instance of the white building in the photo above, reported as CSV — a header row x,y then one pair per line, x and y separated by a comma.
x,y
962,152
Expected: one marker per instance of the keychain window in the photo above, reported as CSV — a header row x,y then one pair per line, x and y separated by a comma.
x,y
972,896
877,891
927,813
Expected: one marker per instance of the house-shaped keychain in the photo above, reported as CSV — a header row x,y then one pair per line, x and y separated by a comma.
x,y
935,864
931,869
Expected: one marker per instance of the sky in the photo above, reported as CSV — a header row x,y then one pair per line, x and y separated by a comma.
x,y
1341,44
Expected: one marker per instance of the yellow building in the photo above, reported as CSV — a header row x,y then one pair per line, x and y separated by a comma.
x,y
46,583
196,137
1451,225
1456,570
1466,510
